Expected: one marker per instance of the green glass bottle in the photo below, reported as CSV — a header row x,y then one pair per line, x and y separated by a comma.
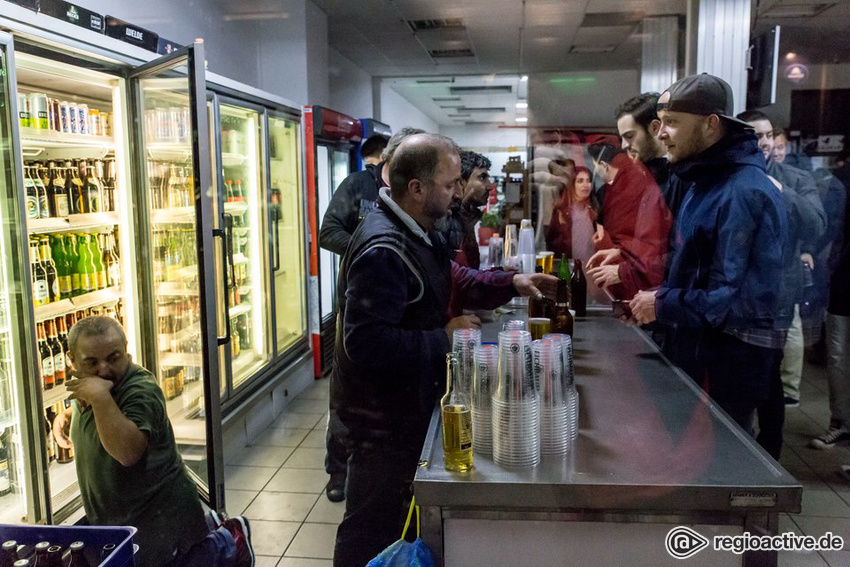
x,y
97,259
564,268
73,260
85,265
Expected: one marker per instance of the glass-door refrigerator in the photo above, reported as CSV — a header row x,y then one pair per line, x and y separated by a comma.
x,y
259,205
330,140
70,137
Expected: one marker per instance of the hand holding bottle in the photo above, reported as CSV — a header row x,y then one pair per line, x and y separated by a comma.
x,y
462,322
536,285
62,427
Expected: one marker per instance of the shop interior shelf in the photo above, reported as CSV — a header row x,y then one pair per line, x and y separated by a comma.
x,y
41,144
176,215
240,309
73,223
232,160
65,306
54,395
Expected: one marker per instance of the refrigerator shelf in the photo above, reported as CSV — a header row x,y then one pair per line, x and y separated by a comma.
x,y
240,310
236,207
178,152
65,306
38,143
240,259
178,289
11,509
54,395
63,483
181,359
232,160
7,419
177,215
72,223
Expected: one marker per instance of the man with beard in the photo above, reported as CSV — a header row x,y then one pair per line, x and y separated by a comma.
x,y
465,211
393,334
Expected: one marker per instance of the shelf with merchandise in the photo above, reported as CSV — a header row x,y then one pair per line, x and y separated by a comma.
x,y
186,288
172,359
175,152
175,215
240,309
236,207
44,144
54,395
232,160
73,223
63,483
7,419
70,305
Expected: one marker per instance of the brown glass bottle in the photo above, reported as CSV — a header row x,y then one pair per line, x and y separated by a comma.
x,y
9,553
47,372
78,555
578,289
539,306
562,319
74,188
40,557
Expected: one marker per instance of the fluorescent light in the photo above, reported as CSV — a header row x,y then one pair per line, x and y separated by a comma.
x,y
522,105
790,55
522,119
524,78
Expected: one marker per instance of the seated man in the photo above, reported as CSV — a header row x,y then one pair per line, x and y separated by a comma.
x,y
128,467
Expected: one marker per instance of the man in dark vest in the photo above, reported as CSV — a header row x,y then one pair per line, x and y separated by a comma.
x,y
393,333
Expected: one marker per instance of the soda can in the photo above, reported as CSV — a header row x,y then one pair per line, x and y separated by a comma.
x,y
94,122
174,124
57,116
185,123
66,117
74,121
24,110
38,111
83,118
105,124
163,132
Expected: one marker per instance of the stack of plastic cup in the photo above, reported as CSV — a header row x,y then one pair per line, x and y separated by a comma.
x,y
514,325
494,251
553,392
569,378
483,383
464,343
510,260
516,413
526,251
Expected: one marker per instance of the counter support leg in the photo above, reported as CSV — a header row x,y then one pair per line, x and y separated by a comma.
x,y
432,531
761,524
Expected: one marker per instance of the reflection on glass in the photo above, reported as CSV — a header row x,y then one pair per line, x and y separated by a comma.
x,y
12,480
287,226
170,185
327,260
247,289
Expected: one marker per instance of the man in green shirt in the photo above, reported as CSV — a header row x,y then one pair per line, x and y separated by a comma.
x,y
128,467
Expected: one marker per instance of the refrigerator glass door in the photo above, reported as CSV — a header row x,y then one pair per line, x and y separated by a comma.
x,y
243,194
328,261
286,213
18,471
174,144
75,150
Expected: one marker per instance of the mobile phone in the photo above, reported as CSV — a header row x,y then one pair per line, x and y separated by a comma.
x,y
620,308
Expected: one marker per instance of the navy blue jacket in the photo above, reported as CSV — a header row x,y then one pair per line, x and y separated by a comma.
x,y
727,256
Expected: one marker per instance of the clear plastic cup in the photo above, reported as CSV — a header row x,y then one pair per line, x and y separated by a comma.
x,y
464,343
515,410
484,381
514,325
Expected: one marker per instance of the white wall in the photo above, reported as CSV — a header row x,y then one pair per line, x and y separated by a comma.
x,y
350,86
497,144
317,55
398,112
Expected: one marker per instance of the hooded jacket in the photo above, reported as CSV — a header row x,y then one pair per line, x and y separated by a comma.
x,y
727,252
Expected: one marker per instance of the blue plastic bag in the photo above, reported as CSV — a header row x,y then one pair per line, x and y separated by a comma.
x,y
403,553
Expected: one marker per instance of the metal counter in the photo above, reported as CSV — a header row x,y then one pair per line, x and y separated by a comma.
x,y
653,452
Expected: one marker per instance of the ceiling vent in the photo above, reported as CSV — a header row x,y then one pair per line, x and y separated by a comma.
x,y
797,10
428,25
611,19
436,81
445,98
482,109
451,53
482,89
593,48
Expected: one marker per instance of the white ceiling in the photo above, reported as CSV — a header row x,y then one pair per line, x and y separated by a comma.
x,y
510,38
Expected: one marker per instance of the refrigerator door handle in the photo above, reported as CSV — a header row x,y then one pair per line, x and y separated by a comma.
x,y
221,233
276,239
228,225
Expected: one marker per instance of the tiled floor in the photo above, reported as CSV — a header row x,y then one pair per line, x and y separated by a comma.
x,y
278,483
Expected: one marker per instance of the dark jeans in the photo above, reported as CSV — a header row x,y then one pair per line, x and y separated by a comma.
x,y
378,494
336,455
216,550
738,376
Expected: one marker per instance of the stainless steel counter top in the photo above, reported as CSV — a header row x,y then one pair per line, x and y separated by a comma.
x,y
650,440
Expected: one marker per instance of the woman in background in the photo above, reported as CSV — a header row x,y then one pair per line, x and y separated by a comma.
x,y
573,221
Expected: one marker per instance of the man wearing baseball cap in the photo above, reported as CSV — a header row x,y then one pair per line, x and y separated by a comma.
x,y
720,296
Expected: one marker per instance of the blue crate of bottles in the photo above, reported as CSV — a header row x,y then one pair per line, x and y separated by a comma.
x,y
94,538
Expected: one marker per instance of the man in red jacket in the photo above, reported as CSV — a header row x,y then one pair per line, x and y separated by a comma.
x,y
633,251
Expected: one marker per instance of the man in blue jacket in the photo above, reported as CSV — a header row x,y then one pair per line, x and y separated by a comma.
x,y
393,333
720,296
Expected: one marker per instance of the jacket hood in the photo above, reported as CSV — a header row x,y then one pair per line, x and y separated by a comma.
x,y
734,150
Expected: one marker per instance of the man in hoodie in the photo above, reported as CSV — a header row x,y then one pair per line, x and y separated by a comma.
x,y
720,296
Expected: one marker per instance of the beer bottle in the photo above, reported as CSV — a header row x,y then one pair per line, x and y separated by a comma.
x,y
97,260
457,420
41,191
78,556
43,174
40,557
85,265
50,269
174,190
74,187
58,353
54,555
71,251
235,344
578,289
63,267
107,183
110,261
539,306
562,319
106,551
9,552
32,195
47,371
5,483
57,187
63,340
93,189
40,292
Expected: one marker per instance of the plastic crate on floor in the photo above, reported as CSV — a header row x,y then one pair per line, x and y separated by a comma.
x,y
94,538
